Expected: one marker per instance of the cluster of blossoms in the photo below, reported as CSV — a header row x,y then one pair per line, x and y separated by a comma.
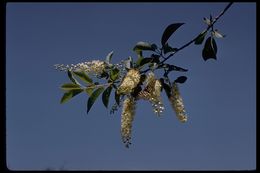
x,y
95,67
152,93
177,103
127,118
129,82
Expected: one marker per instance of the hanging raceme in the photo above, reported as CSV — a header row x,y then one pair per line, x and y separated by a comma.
x,y
177,103
127,118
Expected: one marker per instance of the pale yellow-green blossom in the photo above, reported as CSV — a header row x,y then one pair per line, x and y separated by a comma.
x,y
177,103
127,117
152,92
129,82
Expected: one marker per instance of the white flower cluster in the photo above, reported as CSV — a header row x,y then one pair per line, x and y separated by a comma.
x,y
129,82
127,118
95,67
177,103
152,92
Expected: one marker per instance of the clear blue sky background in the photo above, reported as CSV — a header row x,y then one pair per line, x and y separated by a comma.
x,y
220,96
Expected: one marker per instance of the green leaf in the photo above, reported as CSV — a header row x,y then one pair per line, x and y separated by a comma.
x,y
68,95
94,97
83,76
145,61
70,86
89,91
72,78
181,79
210,49
143,46
114,74
140,57
109,57
169,31
167,48
105,96
200,38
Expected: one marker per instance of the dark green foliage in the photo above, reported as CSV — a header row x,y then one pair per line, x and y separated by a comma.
x,y
105,96
68,95
181,79
94,97
83,76
169,31
210,49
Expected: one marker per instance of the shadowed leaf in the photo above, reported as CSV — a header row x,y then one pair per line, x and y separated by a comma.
x,y
200,38
105,96
181,79
94,97
169,31
114,74
210,49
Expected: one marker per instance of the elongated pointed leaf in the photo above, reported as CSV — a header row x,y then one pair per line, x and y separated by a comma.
x,y
109,57
89,91
83,76
181,79
68,95
169,31
200,38
72,78
210,49
176,68
70,86
94,97
167,48
114,74
145,61
143,46
106,95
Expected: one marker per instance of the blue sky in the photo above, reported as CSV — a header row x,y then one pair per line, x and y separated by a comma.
x,y
219,96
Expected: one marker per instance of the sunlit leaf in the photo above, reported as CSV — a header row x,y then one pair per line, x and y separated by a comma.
x,y
143,46
114,74
109,57
83,76
169,31
94,97
68,95
72,78
70,86
89,91
105,96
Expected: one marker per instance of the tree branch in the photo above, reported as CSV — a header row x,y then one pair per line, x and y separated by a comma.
x,y
193,40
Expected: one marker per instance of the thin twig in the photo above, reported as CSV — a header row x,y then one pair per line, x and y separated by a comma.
x,y
193,40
